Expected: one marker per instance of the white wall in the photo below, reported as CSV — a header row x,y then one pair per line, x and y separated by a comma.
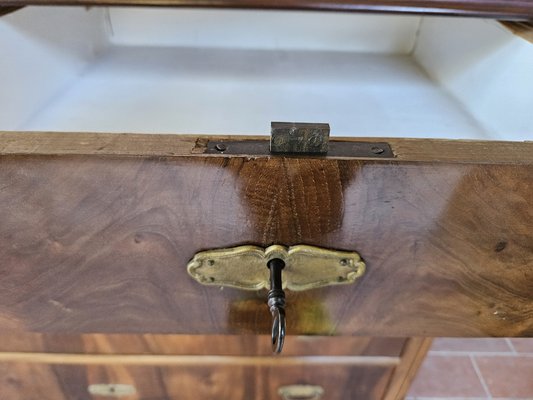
x,y
487,68
260,30
42,50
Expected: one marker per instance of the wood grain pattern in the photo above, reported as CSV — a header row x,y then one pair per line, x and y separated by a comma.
x,y
503,9
220,345
522,29
82,143
100,243
45,382
345,366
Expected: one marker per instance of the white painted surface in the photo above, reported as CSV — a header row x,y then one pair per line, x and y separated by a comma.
x,y
225,72
488,69
169,90
260,30
42,50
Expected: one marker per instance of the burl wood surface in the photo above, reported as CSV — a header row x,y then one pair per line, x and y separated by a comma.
x,y
504,9
100,243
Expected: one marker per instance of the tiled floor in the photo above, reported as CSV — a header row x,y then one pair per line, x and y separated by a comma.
x,y
476,369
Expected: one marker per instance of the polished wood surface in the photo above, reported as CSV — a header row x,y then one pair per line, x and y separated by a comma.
x,y
504,9
346,367
67,382
200,345
100,243
195,360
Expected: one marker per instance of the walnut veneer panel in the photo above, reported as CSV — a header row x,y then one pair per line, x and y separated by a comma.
x,y
58,382
100,243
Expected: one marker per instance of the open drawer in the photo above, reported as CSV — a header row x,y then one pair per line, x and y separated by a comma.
x,y
150,70
97,228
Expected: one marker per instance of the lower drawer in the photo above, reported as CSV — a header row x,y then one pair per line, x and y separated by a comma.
x,y
36,381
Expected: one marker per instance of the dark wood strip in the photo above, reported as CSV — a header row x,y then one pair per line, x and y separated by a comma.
x,y
502,9
4,10
522,29
220,345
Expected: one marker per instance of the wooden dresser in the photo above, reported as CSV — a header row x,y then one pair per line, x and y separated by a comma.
x,y
97,226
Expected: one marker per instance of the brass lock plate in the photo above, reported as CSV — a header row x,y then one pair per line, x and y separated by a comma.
x,y
306,267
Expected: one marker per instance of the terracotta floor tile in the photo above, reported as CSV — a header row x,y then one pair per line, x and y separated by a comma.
x,y
507,377
523,345
471,345
444,376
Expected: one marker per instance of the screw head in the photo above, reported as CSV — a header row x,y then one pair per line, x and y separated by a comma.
x,y
220,147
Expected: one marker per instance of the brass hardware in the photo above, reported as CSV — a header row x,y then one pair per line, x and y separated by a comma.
x,y
111,390
301,392
253,268
307,267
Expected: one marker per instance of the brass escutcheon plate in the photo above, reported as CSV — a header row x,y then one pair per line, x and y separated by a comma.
x,y
306,267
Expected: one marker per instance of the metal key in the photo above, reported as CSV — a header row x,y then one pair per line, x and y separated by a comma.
x,y
276,304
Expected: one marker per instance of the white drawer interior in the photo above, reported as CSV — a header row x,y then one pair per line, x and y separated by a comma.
x,y
155,70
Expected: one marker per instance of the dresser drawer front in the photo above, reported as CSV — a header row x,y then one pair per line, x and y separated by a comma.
x,y
448,245
68,382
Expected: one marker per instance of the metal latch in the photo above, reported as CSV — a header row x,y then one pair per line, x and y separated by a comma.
x,y
296,138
